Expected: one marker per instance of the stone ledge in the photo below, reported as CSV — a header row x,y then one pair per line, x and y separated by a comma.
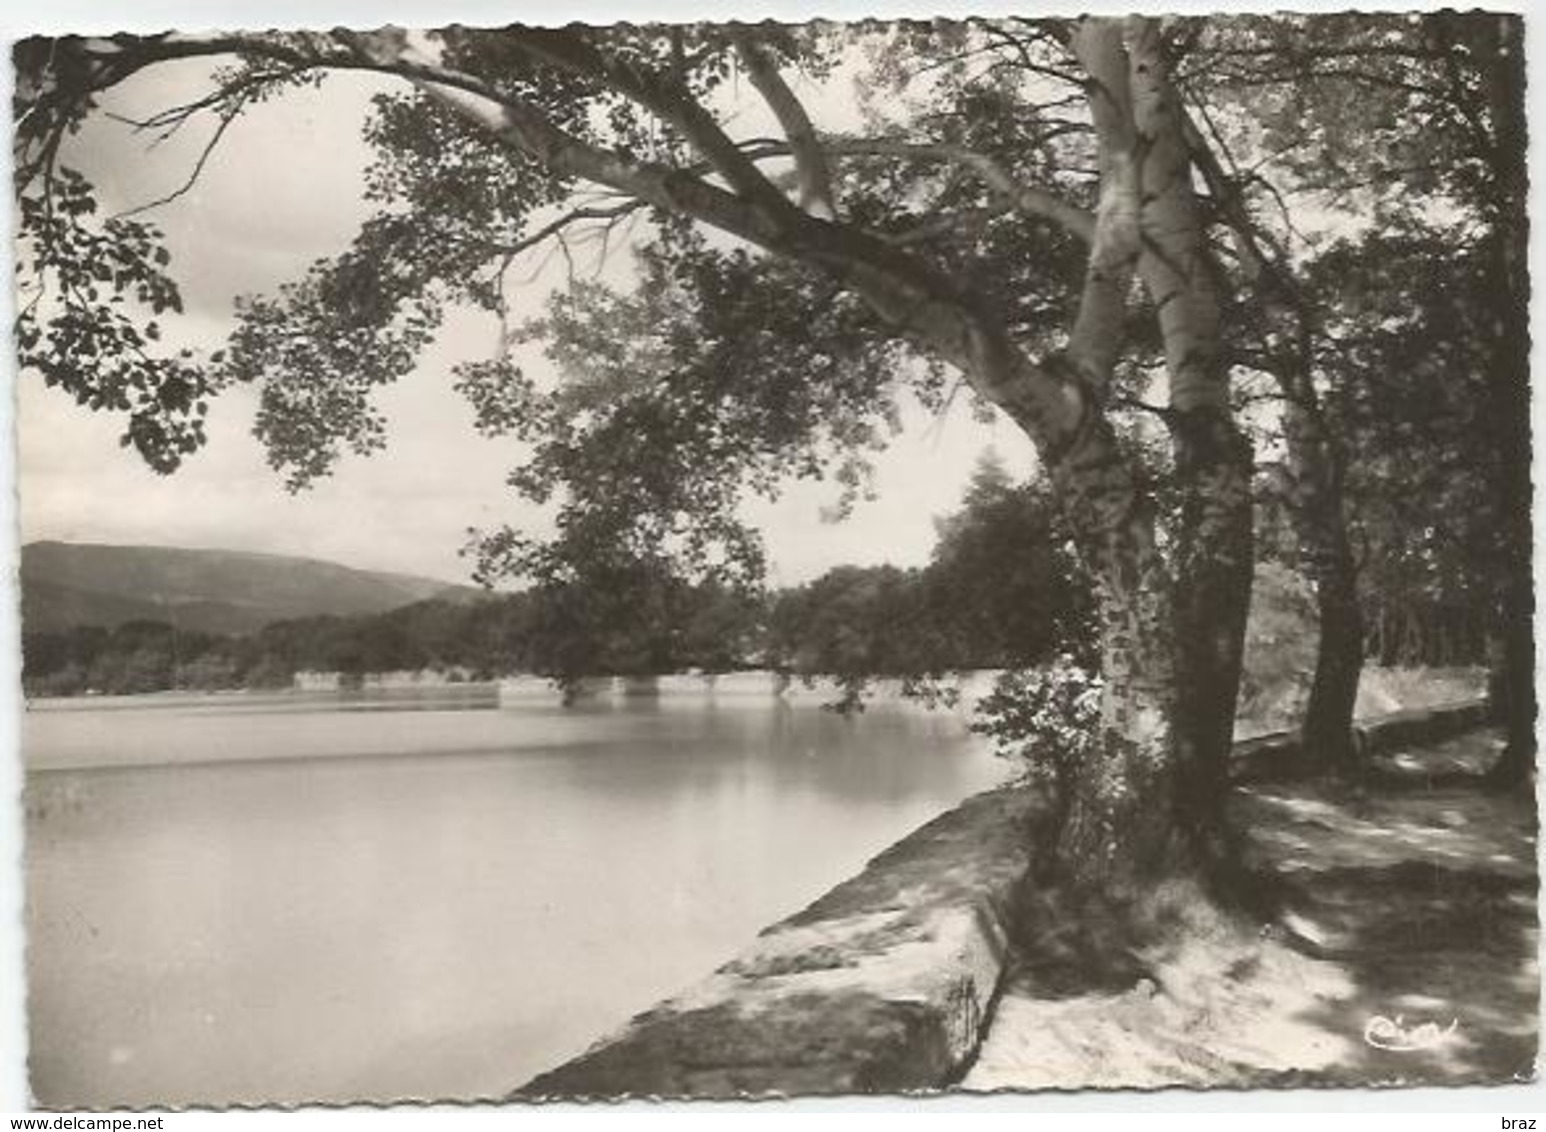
x,y
1279,754
881,985
1419,727
885,983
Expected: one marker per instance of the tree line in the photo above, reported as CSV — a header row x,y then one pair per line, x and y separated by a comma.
x,y
852,623
1003,590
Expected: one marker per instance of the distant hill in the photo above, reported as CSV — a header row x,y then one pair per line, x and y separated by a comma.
x,y
214,591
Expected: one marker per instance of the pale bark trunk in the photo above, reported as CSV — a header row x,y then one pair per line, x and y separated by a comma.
x,y
1172,636
1212,459
1116,826
1152,804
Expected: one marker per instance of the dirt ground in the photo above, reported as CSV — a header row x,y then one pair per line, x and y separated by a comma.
x,y
1406,955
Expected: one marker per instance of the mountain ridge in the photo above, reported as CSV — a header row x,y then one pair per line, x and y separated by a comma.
x,y
205,589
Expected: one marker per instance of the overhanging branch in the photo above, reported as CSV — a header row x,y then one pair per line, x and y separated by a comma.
x,y
227,116
920,302
810,161
1028,200
567,51
1095,343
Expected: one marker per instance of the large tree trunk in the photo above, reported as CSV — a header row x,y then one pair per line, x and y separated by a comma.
x,y
1151,803
1327,731
1147,809
1212,465
1514,686
1316,507
1214,552
1116,825
1315,472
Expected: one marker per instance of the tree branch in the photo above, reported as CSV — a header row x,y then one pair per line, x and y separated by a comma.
x,y
566,51
171,119
921,303
1095,342
945,225
810,162
573,216
227,116
1026,199
1005,38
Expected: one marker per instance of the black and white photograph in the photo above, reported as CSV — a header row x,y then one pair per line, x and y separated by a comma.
x,y
726,560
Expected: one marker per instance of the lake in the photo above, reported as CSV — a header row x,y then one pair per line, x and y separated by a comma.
x,y
246,898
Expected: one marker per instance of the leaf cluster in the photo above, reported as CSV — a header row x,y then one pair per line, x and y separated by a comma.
x,y
95,290
721,375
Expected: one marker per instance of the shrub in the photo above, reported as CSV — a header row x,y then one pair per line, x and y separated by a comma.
x,y
1047,719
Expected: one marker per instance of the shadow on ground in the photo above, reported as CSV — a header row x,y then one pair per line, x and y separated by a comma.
x,y
1406,953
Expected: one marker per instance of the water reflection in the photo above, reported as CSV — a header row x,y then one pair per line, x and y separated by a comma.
x,y
228,904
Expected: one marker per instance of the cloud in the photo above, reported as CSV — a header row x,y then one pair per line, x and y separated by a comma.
x,y
282,187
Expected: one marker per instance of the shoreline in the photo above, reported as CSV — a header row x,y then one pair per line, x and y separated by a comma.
x,y
888,982
883,984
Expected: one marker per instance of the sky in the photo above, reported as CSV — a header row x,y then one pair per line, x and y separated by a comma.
x,y
282,189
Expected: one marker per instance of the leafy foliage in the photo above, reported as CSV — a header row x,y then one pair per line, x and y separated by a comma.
x,y
856,623
1007,581
1382,114
1002,590
93,291
1412,359
1047,719
721,375
323,345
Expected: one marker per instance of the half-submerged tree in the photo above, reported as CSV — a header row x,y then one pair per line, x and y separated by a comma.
x,y
998,223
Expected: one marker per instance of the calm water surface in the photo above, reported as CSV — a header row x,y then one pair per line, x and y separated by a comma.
x,y
240,899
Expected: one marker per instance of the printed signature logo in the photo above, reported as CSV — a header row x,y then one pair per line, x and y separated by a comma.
x,y
1396,1034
